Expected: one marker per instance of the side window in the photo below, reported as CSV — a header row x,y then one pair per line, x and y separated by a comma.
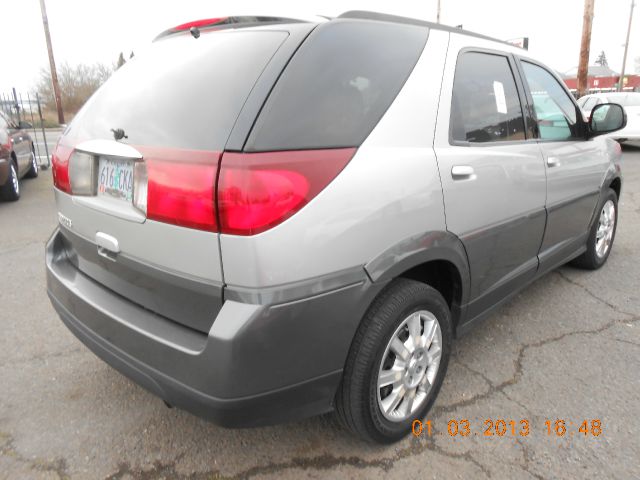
x,y
485,106
555,111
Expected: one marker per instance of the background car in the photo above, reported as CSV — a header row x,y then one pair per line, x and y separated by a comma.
x,y
17,157
631,103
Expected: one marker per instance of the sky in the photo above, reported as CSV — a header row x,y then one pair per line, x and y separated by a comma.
x,y
90,31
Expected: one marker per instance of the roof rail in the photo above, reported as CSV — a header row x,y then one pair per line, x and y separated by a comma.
x,y
227,23
383,17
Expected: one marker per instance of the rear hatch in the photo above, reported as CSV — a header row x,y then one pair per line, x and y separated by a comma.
x,y
136,170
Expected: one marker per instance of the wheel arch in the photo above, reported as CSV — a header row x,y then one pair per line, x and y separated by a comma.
x,y
437,259
616,185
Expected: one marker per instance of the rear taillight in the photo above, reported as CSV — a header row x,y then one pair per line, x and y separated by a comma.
x,y
177,186
257,191
60,167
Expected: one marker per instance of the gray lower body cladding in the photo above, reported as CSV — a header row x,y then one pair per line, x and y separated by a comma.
x,y
258,365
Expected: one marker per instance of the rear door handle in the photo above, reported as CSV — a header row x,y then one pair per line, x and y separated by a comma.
x,y
553,162
462,172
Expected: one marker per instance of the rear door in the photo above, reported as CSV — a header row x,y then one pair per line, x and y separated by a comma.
x,y
136,169
575,167
491,169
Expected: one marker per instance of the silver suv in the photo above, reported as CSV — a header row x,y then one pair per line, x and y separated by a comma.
x,y
263,219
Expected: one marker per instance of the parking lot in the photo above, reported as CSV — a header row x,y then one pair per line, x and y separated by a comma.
x,y
566,348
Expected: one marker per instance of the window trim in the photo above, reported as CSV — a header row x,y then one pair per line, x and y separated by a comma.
x,y
520,90
582,126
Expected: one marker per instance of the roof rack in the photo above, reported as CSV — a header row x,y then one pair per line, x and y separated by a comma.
x,y
226,23
383,17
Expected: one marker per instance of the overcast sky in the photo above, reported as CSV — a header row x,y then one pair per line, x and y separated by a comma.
x,y
88,31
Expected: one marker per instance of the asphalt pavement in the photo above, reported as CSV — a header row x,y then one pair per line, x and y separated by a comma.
x,y
567,349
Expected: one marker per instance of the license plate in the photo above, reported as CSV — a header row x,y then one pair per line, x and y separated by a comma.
x,y
115,179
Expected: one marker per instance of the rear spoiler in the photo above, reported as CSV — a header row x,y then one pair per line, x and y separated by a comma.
x,y
223,23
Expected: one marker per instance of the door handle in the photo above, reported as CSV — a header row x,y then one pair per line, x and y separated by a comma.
x,y
553,162
462,172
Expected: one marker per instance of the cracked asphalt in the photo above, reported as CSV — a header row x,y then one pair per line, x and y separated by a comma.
x,y
567,347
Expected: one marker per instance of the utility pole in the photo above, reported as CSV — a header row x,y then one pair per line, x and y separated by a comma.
x,y
52,63
438,15
583,65
626,48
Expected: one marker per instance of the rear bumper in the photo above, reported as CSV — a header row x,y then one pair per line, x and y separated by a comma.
x,y
258,365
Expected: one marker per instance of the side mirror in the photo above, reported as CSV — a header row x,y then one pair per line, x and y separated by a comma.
x,y
24,125
606,118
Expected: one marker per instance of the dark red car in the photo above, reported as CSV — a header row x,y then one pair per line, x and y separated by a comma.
x,y
17,157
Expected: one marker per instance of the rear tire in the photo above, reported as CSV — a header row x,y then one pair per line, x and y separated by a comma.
x,y
10,191
601,235
382,392
33,169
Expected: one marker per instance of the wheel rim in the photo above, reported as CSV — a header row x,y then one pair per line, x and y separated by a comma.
x,y
14,179
33,161
409,366
606,227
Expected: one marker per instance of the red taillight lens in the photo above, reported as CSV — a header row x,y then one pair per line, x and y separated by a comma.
x,y
181,187
60,167
257,191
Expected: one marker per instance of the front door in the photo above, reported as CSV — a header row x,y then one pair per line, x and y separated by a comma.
x,y
575,166
492,173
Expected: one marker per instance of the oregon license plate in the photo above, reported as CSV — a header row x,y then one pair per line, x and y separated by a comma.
x,y
115,179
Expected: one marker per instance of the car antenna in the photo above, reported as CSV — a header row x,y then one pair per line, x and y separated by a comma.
x,y
195,32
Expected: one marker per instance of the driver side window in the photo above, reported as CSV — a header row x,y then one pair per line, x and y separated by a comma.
x,y
555,111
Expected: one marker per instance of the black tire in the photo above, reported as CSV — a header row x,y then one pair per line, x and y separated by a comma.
x,y
10,191
33,169
590,260
357,398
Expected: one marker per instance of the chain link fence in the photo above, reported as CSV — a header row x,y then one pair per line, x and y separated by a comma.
x,y
26,110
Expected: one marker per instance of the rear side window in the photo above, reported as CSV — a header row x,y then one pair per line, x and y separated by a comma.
x,y
337,86
182,92
485,106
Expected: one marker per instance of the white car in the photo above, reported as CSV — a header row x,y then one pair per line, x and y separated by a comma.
x,y
631,103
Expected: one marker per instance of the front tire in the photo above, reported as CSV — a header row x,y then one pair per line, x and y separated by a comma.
x,y
602,234
11,189
397,362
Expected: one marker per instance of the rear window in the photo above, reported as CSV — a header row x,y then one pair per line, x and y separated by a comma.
x,y
337,86
182,93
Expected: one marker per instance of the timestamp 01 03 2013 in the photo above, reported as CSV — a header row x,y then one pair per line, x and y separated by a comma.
x,y
500,427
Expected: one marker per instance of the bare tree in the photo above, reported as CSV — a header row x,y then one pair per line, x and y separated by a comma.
x,y
77,84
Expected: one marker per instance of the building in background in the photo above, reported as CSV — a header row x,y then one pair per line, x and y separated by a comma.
x,y
602,79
